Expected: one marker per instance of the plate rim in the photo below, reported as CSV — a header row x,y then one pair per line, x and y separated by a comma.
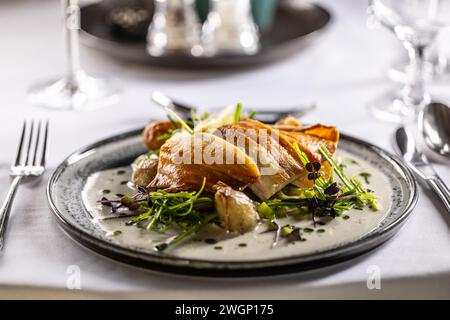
x,y
174,264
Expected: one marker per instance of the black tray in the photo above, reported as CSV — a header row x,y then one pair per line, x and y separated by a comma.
x,y
296,23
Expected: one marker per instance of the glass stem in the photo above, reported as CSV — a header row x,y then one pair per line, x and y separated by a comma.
x,y
71,27
414,93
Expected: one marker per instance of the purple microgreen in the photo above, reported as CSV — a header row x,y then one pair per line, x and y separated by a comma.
x,y
295,235
113,204
316,166
332,189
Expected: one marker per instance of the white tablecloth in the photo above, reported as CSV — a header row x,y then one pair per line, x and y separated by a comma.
x,y
341,72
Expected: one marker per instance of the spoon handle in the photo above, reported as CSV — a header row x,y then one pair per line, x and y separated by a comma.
x,y
440,189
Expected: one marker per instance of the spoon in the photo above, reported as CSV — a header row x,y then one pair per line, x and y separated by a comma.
x,y
418,163
264,116
434,123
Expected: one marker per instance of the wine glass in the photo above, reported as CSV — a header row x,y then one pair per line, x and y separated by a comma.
x,y
435,66
76,90
416,23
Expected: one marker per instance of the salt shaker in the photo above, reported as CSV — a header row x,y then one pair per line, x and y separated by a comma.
x,y
230,29
175,28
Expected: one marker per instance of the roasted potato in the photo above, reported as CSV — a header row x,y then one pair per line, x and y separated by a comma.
x,y
288,121
144,170
236,211
153,132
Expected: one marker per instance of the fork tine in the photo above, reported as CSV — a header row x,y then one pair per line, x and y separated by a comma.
x,y
30,141
22,138
44,147
36,143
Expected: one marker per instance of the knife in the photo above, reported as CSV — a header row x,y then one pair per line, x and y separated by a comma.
x,y
419,164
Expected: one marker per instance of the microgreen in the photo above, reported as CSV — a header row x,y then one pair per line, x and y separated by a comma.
x,y
237,113
160,210
174,117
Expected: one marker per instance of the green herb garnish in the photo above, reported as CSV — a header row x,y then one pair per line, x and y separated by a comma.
x,y
252,115
325,199
160,210
237,113
175,118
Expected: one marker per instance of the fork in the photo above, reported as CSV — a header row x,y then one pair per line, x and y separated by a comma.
x,y
29,163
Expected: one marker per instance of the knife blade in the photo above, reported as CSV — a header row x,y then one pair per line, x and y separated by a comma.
x,y
185,111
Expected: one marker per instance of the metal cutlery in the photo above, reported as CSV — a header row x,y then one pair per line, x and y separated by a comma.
x,y
29,163
434,123
265,116
419,164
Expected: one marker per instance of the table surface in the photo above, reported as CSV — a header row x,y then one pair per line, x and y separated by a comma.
x,y
341,71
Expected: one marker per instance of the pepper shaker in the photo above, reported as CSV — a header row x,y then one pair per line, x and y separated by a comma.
x,y
175,28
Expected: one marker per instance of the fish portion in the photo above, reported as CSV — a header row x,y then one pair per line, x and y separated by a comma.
x,y
244,154
262,144
185,160
279,145
309,139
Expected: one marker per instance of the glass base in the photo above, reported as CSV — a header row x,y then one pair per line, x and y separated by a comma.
x,y
392,108
80,93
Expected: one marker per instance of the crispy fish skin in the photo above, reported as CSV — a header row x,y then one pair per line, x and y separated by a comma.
x,y
282,149
183,164
273,176
310,138
236,211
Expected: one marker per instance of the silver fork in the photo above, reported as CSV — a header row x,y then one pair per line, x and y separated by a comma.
x,y
29,163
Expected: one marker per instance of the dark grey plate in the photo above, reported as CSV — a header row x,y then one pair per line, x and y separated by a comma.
x,y
295,24
65,199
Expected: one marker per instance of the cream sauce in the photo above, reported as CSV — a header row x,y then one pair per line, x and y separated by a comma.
x,y
229,247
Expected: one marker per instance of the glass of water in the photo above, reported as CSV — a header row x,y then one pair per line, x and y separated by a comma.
x,y
416,23
76,90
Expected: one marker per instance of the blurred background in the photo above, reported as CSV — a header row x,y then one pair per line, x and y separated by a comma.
x,y
341,68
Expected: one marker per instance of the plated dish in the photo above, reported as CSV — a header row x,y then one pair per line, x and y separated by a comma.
x,y
228,195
